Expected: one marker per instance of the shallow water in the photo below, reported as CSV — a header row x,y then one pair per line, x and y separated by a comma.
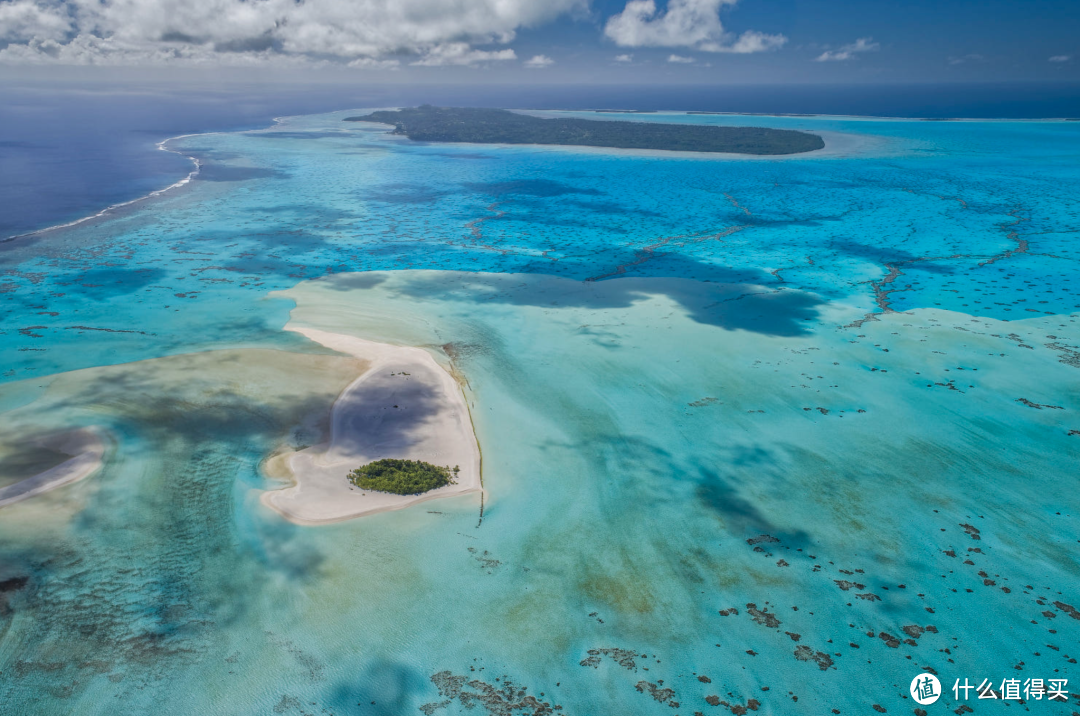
x,y
794,383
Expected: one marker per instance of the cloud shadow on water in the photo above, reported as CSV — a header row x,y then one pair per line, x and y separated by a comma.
x,y
730,302
105,283
384,689
887,255
717,488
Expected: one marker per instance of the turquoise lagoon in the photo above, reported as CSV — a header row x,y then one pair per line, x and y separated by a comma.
x,y
751,427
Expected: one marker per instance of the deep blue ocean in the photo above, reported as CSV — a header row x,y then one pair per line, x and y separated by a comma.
x,y
759,434
67,151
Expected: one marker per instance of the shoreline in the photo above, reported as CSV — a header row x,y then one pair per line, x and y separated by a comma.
x,y
86,447
113,207
795,115
157,192
838,145
279,120
402,405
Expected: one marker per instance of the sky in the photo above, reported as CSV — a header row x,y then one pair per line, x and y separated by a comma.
x,y
682,41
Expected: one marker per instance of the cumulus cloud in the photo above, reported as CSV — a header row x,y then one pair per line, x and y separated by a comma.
x,y
23,20
362,33
86,49
863,44
684,23
461,53
1061,58
624,58
680,59
537,62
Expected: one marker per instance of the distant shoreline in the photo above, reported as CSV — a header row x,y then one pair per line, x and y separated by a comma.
x,y
110,209
499,126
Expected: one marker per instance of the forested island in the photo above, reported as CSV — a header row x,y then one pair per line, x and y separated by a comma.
x,y
499,126
403,477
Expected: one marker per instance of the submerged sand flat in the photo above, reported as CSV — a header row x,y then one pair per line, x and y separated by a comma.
x,y
404,405
166,413
87,448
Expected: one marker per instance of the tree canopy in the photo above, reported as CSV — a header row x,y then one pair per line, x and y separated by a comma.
x,y
403,477
499,126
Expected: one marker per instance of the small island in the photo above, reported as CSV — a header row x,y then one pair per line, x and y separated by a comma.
x,y
401,418
403,477
499,126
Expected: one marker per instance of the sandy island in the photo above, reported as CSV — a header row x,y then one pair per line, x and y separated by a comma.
x,y
87,449
404,405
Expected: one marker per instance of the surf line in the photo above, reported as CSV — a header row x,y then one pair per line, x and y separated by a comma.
x,y
161,146
113,207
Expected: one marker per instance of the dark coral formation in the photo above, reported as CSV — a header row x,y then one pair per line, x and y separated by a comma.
x,y
623,657
485,560
1038,406
739,709
805,653
762,616
510,700
1068,609
846,585
658,692
1070,355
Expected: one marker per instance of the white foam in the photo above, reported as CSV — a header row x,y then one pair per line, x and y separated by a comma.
x,y
113,207
161,146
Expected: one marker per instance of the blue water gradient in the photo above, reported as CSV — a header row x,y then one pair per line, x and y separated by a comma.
x,y
786,386
69,149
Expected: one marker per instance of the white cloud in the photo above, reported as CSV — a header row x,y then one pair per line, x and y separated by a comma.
x,y
1060,58
680,59
966,58
23,20
461,53
539,61
684,23
260,31
370,63
750,41
624,58
863,44
86,49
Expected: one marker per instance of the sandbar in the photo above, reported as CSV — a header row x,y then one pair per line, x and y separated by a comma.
x,y
404,405
87,449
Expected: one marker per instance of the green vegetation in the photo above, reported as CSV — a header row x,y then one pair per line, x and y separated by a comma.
x,y
403,477
498,126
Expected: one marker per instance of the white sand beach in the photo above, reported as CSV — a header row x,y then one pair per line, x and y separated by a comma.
x,y
404,405
87,448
